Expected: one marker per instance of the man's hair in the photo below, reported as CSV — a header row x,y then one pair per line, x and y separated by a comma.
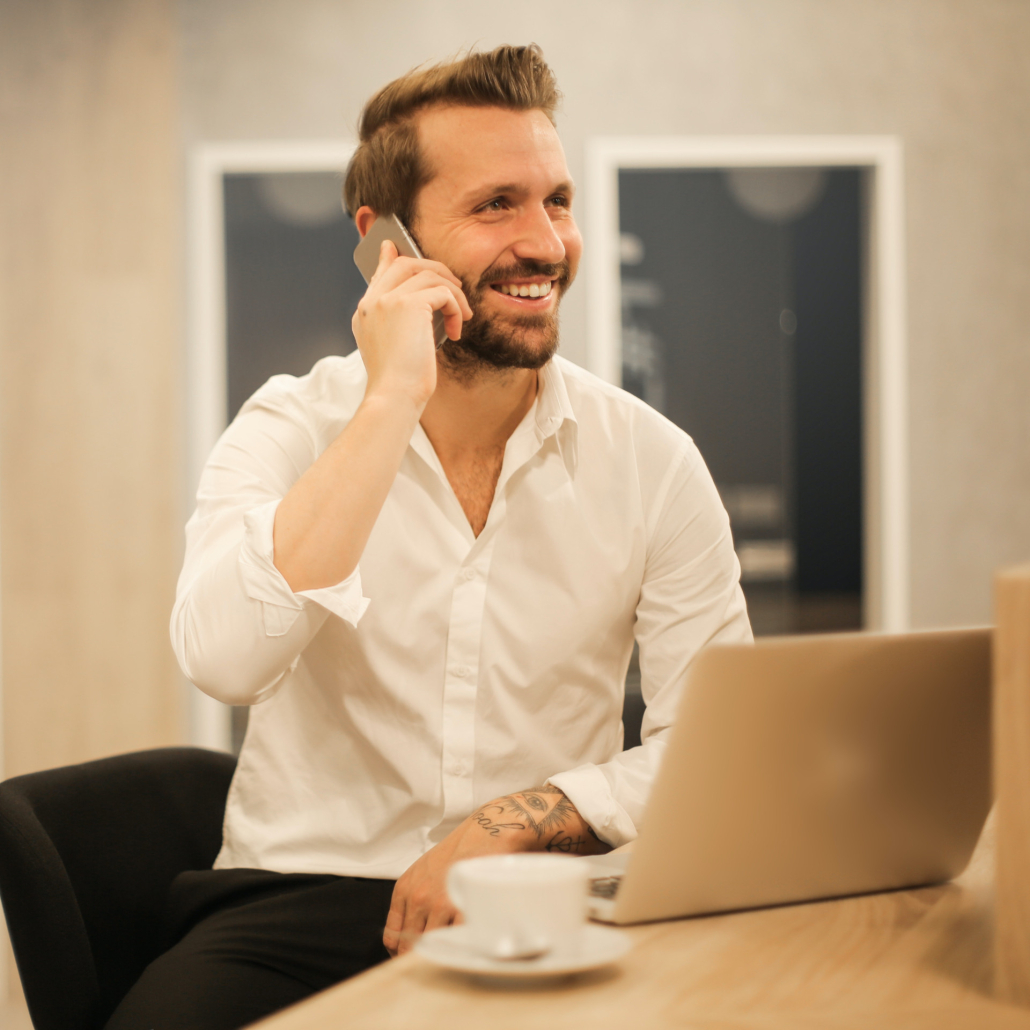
x,y
388,168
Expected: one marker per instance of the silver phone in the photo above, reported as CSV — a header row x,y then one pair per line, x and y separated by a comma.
x,y
366,257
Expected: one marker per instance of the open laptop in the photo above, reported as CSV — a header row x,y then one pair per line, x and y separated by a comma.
x,y
812,767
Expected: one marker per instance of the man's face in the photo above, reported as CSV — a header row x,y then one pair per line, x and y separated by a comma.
x,y
498,213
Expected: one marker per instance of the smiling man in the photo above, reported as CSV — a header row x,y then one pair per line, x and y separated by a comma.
x,y
425,570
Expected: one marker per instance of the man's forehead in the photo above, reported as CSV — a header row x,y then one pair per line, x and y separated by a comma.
x,y
488,148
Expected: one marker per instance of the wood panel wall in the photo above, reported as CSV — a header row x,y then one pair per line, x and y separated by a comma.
x,y
90,298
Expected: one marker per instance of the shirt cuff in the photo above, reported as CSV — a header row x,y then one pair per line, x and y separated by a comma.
x,y
265,583
589,790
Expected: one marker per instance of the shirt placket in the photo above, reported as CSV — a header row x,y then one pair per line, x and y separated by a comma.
x,y
461,682
464,640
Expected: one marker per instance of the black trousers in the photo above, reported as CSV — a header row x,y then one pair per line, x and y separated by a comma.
x,y
244,943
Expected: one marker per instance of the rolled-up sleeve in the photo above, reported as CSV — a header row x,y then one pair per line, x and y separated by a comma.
x,y
690,597
237,628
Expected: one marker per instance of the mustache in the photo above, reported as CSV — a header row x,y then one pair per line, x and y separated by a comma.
x,y
523,269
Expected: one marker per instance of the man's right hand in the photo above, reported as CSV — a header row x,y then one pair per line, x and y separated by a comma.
x,y
393,324
325,519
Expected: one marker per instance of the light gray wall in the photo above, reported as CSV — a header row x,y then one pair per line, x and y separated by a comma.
x,y
950,77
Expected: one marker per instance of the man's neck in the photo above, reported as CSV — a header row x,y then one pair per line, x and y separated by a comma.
x,y
467,418
468,423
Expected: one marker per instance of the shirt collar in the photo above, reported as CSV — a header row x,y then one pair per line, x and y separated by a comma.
x,y
550,415
554,414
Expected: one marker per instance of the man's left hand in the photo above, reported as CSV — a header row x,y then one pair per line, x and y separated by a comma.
x,y
541,819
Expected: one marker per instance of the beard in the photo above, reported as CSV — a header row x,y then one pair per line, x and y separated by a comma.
x,y
495,344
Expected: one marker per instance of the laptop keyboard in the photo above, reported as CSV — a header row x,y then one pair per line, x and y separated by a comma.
x,y
605,886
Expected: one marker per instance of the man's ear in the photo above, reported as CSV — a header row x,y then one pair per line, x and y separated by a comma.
x,y
364,218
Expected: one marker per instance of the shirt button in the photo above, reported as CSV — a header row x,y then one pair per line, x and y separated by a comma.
x,y
469,574
462,671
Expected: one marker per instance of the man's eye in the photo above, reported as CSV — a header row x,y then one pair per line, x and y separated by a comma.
x,y
496,204
559,200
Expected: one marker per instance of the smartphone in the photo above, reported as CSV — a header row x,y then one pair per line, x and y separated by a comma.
x,y
366,257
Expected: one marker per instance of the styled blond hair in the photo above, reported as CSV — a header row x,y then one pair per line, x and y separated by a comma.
x,y
388,169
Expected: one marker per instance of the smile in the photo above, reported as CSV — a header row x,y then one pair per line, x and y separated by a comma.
x,y
524,289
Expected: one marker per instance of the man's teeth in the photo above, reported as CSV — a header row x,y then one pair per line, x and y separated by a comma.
x,y
526,289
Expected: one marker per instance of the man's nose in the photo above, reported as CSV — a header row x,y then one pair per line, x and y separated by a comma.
x,y
538,240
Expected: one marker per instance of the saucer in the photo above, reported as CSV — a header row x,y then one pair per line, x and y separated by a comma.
x,y
595,946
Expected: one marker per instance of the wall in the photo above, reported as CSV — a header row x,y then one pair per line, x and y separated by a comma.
x,y
89,356
948,76
90,302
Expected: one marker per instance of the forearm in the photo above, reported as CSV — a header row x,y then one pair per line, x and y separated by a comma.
x,y
324,521
540,819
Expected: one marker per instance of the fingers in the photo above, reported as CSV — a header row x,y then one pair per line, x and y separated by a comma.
x,y
411,916
429,280
406,279
387,255
411,274
406,919
394,921
452,325
416,915
392,269
427,293
441,299
442,915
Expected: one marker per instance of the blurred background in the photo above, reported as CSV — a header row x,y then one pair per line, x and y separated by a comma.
x,y
745,296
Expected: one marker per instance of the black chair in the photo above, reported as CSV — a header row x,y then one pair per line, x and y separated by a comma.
x,y
87,854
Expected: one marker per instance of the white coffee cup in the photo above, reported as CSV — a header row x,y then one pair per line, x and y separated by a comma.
x,y
520,905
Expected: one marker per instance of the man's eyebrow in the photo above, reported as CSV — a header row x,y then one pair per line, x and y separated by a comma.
x,y
508,188
484,193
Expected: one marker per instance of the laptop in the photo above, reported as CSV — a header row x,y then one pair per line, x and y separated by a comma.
x,y
812,767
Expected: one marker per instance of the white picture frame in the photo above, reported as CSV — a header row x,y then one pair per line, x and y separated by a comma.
x,y
886,600
210,722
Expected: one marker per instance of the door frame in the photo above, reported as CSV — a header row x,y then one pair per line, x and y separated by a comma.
x,y
886,602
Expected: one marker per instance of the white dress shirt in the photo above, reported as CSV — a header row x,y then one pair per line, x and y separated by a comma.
x,y
449,669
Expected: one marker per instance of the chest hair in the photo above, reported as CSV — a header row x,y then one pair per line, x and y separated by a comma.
x,y
473,479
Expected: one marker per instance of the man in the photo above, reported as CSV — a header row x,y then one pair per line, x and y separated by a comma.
x,y
425,570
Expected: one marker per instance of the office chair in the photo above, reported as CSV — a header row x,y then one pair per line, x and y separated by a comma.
x,y
87,853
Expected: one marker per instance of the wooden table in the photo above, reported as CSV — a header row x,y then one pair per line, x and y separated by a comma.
x,y
907,959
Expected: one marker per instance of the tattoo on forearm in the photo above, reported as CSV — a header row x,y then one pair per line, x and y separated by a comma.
x,y
544,810
565,843
489,823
